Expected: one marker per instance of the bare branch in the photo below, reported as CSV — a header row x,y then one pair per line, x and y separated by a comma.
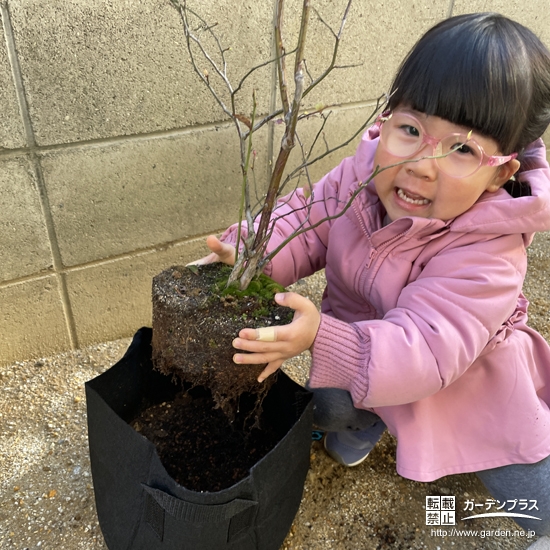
x,y
280,50
299,232
337,38
245,188
342,21
267,119
257,67
190,37
350,66
306,69
260,225
274,114
308,185
311,149
208,28
380,102
291,119
302,38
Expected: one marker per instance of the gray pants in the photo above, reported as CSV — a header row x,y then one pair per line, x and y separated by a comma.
x,y
334,412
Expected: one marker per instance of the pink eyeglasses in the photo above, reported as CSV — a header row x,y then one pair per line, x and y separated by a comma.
x,y
457,155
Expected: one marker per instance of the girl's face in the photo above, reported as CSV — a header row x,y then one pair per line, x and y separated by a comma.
x,y
421,189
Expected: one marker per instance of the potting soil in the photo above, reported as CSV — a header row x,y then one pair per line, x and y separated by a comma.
x,y
198,445
194,324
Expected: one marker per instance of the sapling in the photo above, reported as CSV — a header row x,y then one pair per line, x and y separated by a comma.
x,y
212,69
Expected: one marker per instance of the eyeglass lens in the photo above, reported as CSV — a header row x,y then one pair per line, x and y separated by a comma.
x,y
403,136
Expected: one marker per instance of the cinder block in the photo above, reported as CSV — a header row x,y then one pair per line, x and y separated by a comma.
x,y
114,199
95,69
112,300
12,134
376,37
32,323
24,244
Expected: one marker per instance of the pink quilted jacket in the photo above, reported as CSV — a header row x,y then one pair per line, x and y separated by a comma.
x,y
424,321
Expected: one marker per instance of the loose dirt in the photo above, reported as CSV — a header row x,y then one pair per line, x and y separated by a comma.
x,y
217,453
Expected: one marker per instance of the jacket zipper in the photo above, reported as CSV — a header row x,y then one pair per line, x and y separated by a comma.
x,y
361,222
373,251
364,228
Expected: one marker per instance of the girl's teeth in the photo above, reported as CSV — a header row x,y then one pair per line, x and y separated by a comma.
x,y
401,194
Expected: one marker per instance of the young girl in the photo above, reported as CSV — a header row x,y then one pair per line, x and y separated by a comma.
x,y
423,322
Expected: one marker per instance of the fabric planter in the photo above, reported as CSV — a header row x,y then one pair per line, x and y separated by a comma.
x,y
140,506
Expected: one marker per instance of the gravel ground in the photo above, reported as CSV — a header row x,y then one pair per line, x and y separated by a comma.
x,y
46,492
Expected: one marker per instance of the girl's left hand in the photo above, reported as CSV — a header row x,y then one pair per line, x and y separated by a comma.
x,y
290,340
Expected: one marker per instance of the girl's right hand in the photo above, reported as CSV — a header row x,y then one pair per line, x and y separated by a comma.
x,y
221,252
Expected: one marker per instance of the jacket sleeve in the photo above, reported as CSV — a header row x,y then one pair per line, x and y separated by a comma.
x,y
305,254
441,324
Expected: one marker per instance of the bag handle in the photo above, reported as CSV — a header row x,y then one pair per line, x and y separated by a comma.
x,y
238,513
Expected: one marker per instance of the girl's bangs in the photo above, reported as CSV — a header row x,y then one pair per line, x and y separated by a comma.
x,y
467,81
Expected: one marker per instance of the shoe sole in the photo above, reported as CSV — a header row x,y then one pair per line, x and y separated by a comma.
x,y
339,459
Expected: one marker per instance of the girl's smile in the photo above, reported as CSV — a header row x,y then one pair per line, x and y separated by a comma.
x,y
419,188
410,199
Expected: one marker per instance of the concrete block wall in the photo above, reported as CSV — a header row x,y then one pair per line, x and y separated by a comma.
x,y
115,161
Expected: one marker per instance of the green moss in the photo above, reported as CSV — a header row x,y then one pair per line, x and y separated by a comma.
x,y
261,312
262,287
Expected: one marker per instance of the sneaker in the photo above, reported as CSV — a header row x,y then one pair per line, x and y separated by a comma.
x,y
350,448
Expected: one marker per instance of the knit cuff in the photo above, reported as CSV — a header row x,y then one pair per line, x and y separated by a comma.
x,y
340,357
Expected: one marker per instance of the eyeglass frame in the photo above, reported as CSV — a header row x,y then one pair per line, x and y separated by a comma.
x,y
486,160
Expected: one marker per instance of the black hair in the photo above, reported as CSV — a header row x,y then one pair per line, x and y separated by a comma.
x,y
483,71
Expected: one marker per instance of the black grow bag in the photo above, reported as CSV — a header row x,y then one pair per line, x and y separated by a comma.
x,y
140,506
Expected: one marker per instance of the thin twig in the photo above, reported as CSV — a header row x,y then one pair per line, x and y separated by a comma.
x,y
280,50
380,102
182,8
337,38
257,67
245,188
253,245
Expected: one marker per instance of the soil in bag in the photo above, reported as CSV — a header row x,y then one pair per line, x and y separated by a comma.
x,y
198,445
